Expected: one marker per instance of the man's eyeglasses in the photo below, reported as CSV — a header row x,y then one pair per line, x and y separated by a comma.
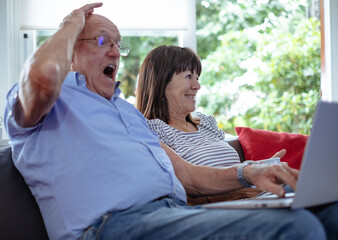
x,y
103,41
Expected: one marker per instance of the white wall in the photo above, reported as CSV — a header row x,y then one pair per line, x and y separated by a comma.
x,y
3,54
9,67
3,68
329,81
188,37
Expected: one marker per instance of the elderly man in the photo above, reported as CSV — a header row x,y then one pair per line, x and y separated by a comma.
x,y
97,171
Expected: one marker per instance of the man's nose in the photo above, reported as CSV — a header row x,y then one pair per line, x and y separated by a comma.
x,y
114,50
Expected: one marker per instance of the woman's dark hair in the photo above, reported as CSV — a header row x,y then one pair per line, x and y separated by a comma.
x,y
156,72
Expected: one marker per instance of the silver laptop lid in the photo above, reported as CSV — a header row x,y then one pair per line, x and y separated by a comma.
x,y
318,179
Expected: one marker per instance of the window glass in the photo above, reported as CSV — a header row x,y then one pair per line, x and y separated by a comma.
x,y
130,65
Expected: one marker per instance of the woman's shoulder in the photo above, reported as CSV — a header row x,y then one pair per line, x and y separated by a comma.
x,y
155,121
208,124
156,124
162,129
205,119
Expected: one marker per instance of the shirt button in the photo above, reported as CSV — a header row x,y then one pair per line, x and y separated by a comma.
x,y
80,77
128,125
10,113
15,95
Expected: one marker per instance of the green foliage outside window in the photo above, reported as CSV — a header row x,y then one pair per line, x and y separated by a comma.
x,y
130,65
261,64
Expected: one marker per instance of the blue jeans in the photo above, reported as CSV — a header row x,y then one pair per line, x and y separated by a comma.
x,y
171,219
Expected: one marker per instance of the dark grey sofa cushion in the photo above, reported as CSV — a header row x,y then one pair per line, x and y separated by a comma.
x,y
20,217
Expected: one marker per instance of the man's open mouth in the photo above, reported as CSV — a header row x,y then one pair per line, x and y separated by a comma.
x,y
108,71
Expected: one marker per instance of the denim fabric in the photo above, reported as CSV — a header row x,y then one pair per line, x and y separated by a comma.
x,y
328,215
170,219
94,231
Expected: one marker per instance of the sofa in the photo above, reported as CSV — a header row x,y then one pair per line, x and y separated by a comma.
x,y
20,217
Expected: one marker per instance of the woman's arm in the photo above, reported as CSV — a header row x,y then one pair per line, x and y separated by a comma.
x,y
206,181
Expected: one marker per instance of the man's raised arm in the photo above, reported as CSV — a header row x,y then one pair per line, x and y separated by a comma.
x,y
44,72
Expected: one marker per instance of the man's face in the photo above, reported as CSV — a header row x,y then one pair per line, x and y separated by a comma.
x,y
98,64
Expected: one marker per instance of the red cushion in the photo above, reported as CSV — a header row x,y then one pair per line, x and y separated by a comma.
x,y
261,144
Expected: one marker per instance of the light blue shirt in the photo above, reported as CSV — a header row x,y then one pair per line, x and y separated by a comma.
x,y
87,157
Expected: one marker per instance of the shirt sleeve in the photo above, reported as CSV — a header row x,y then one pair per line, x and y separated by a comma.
x,y
14,131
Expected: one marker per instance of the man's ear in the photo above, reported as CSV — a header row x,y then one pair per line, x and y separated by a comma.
x,y
72,66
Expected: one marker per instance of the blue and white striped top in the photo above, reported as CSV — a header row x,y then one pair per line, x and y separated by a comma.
x,y
206,146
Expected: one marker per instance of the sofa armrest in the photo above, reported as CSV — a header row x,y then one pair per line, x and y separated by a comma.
x,y
20,217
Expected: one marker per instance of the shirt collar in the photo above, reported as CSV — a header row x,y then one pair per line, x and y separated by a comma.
x,y
78,79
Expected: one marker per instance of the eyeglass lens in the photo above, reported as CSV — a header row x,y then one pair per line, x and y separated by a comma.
x,y
122,46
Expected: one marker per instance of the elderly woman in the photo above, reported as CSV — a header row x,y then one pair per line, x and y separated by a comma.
x,y
166,92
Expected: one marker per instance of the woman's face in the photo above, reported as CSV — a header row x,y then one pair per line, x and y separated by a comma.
x,y
181,92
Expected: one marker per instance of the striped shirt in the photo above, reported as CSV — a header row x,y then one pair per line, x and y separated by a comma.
x,y
206,146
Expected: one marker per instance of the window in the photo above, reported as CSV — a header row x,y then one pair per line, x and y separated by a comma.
x,y
153,21
261,62
18,17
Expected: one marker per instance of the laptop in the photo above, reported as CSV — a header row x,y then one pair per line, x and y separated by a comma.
x,y
318,177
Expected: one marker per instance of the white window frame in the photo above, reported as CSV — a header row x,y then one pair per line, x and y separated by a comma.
x,y
329,78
